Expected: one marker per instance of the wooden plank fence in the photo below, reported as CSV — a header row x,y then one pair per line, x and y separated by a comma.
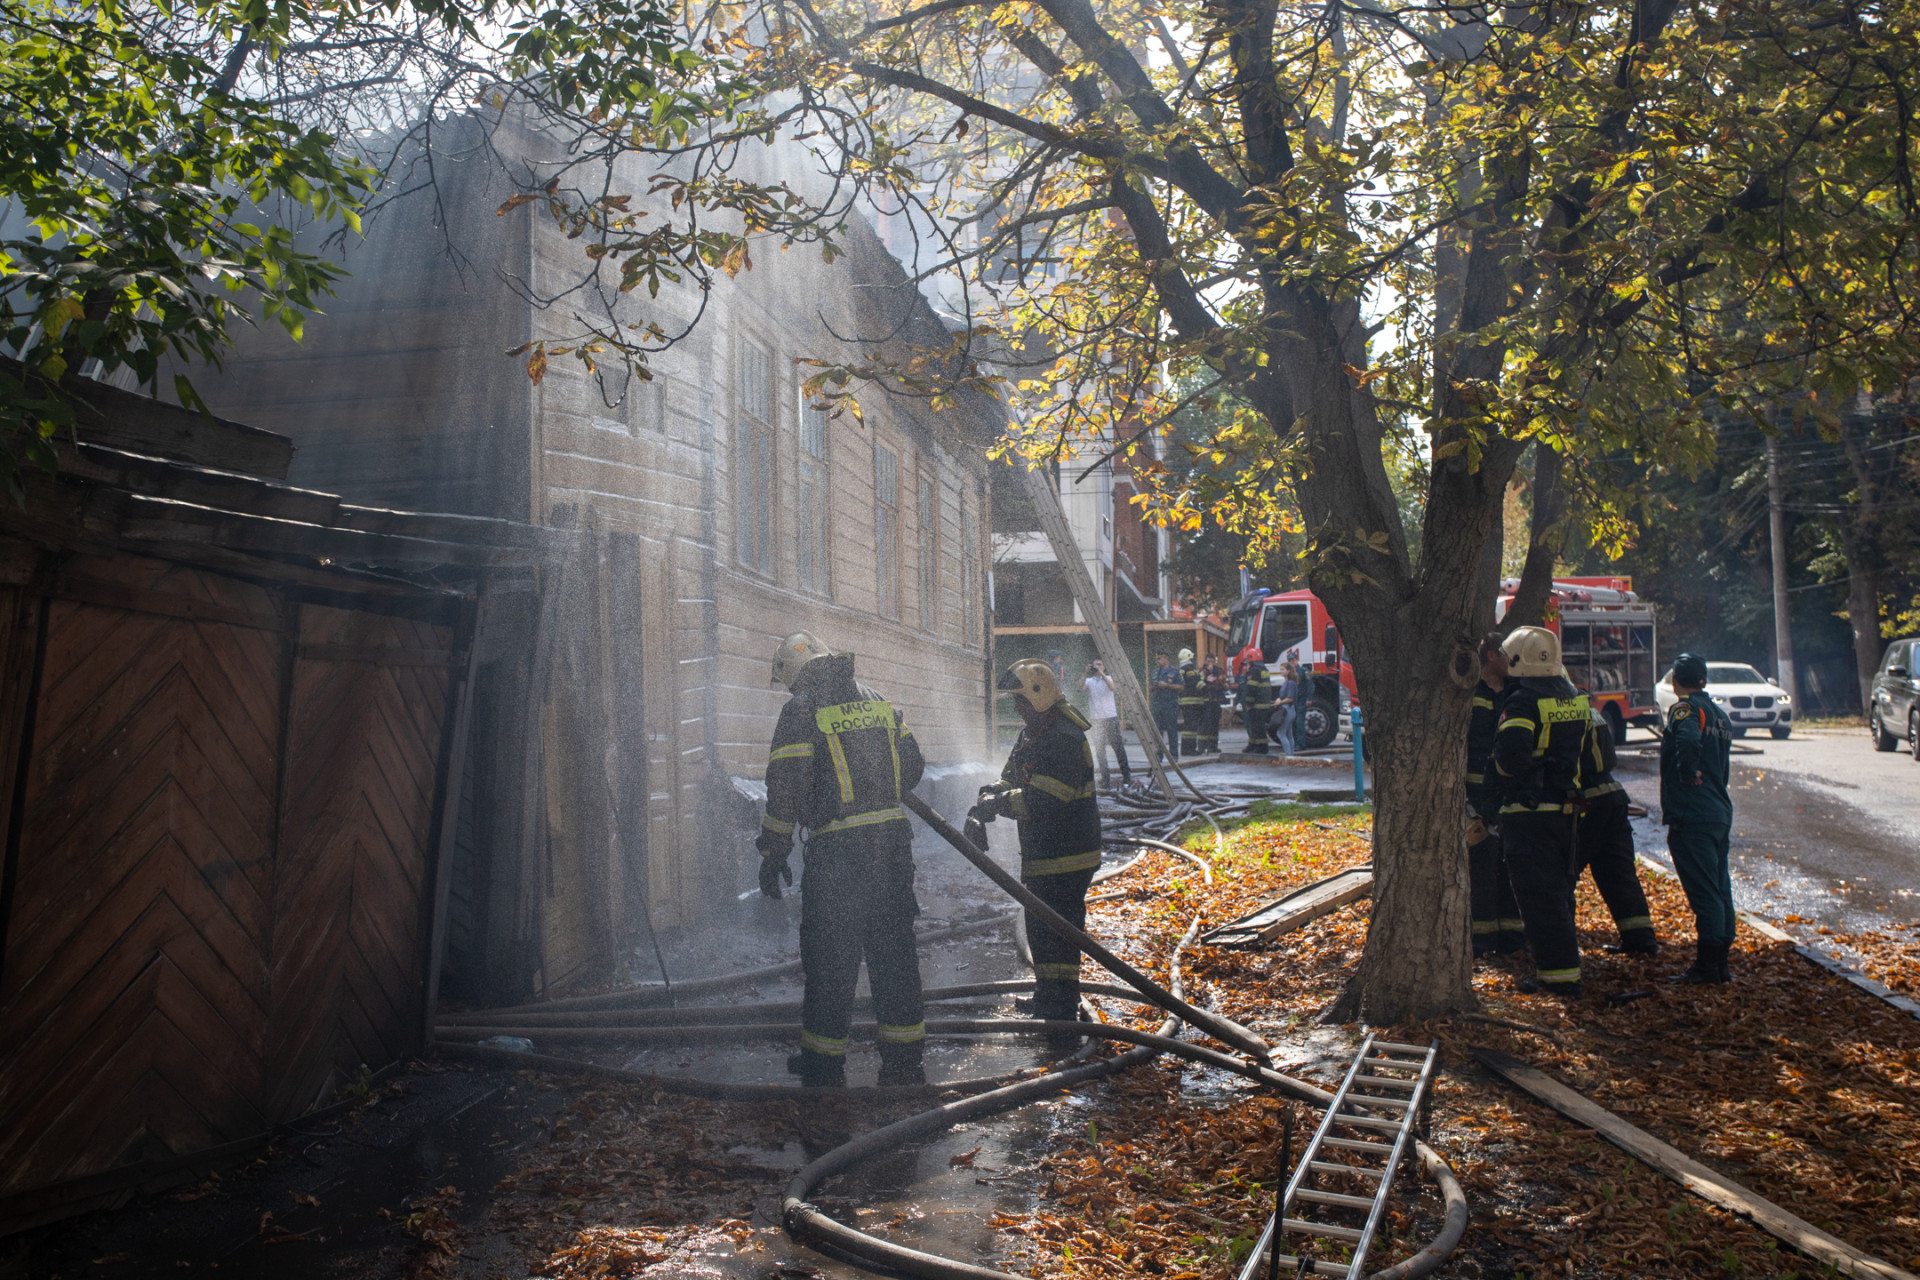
x,y
220,861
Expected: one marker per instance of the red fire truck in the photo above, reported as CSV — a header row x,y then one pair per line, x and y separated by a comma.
x,y
1607,641
1607,637
1274,626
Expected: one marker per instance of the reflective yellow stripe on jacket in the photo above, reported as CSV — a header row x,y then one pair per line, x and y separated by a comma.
x,y
889,814
1088,861
1061,791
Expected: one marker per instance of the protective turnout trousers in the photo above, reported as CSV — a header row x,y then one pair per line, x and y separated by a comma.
x,y
1192,727
1497,923
1056,962
1699,852
856,902
1539,849
1257,730
1606,847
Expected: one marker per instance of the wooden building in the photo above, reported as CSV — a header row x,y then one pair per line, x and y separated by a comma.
x,y
231,724
622,718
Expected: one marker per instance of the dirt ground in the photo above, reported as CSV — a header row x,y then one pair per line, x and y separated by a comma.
x,y
1791,1081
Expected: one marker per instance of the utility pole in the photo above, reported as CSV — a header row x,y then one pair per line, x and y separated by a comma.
x,y
1777,531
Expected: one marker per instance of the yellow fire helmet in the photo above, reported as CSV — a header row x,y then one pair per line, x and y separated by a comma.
x,y
1032,679
795,652
1185,658
1532,651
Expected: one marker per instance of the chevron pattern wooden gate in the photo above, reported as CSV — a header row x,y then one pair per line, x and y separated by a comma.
x,y
220,862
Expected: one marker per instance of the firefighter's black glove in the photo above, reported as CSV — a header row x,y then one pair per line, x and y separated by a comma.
x,y
773,871
991,803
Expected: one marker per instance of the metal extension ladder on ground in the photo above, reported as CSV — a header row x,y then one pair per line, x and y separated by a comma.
x,y
1371,1120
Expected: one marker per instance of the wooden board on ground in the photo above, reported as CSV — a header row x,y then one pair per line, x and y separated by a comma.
x,y
1316,900
1690,1173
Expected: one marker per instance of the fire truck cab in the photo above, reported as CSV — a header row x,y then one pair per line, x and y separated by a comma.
x,y
1607,643
1272,627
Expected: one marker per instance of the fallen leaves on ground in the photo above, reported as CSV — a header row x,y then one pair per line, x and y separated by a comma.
x,y
430,1221
1890,957
1790,1081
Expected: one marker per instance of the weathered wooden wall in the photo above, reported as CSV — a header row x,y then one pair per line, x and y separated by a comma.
x,y
612,716
218,856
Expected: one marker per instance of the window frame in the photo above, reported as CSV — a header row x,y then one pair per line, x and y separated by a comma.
x,y
886,530
969,574
756,454
927,545
813,543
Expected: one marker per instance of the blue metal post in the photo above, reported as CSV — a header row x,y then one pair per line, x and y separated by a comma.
x,y
1359,758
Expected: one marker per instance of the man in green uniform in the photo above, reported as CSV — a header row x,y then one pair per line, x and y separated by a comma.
x,y
1536,754
842,757
1605,845
1047,786
1497,926
1695,758
1193,705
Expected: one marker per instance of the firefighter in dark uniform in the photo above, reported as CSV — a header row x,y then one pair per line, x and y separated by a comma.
x,y
1193,705
1214,683
842,758
1695,757
1604,845
1048,787
1537,751
1497,924
1256,704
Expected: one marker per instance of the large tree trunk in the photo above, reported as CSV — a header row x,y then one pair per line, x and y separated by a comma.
x,y
1419,956
1410,632
1863,606
1860,542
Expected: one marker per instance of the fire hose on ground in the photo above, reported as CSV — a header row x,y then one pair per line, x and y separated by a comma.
x,y
988,1096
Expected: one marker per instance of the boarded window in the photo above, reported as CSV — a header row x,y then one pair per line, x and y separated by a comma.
x,y
815,495
927,517
753,458
886,531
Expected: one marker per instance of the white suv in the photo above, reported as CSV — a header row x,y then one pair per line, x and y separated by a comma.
x,y
1750,700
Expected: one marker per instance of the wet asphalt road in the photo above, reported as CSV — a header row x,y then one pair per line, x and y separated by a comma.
x,y
1824,827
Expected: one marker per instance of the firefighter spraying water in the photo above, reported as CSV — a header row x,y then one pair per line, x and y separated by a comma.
x,y
842,758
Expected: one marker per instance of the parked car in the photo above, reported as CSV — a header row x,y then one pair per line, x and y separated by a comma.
x,y
1750,700
1895,711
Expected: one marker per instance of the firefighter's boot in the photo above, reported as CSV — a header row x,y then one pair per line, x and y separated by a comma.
x,y
1635,942
900,1064
1720,953
819,1070
1709,964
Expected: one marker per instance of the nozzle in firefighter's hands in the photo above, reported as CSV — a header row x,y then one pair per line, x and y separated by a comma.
x,y
774,870
991,803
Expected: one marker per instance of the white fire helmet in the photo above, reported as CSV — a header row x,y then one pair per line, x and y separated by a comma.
x,y
1532,651
1185,659
795,652
1033,680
